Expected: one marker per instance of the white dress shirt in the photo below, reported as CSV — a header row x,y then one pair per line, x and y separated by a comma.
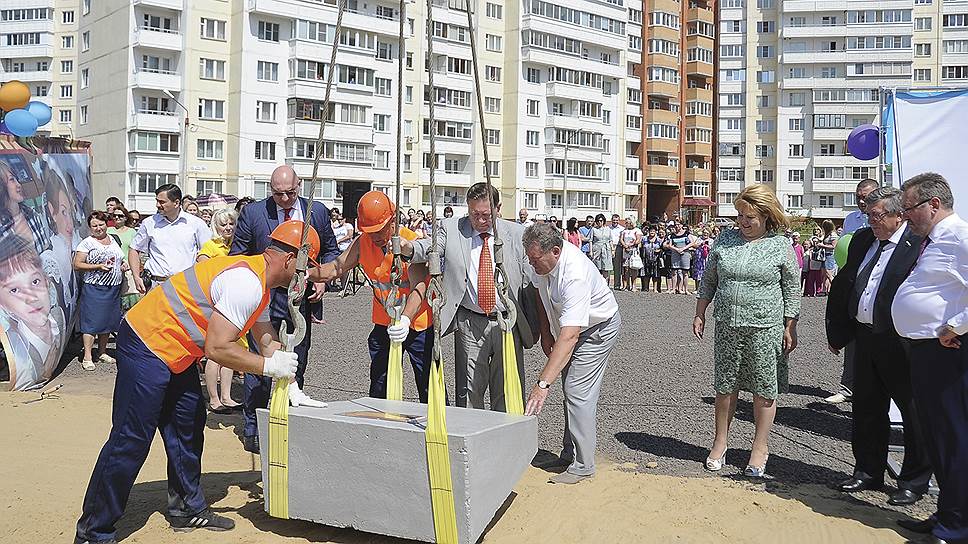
x,y
936,292
865,307
470,296
855,221
171,246
616,232
574,293
296,215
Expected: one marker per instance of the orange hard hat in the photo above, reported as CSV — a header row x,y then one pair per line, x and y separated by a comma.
x,y
290,234
374,211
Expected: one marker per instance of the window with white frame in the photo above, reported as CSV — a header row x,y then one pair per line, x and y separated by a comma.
x,y
66,91
922,74
532,107
492,104
492,73
850,199
265,111
381,160
826,201
532,75
494,11
67,67
731,123
267,71
83,114
492,168
922,23
67,42
763,176
530,169
794,201
384,50
731,174
209,149
381,122
208,186
212,29
531,201
493,42
796,124
727,198
211,69
147,182
85,77
265,151
795,150
66,115
382,86
158,142
211,110
493,136
532,138
268,31
797,99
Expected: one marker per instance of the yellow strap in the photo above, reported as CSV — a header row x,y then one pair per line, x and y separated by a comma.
x,y
278,486
395,371
438,460
513,398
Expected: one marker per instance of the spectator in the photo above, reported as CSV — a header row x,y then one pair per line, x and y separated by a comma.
x,y
797,248
701,248
448,212
243,202
206,215
752,274
192,208
553,221
664,263
630,239
828,244
618,258
171,238
344,237
815,271
109,205
125,233
857,219
585,231
17,216
601,246
540,218
679,244
523,217
807,250
134,219
416,223
571,232
223,230
187,199
100,259
651,260
428,224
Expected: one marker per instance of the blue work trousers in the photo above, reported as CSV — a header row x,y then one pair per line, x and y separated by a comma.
x,y
419,345
258,388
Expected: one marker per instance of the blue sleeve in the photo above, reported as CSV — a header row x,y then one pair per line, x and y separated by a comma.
x,y
328,248
243,233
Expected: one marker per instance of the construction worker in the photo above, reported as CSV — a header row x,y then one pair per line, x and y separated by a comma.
x,y
372,251
200,312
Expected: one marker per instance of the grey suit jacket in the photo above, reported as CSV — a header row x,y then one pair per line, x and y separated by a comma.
x,y
455,251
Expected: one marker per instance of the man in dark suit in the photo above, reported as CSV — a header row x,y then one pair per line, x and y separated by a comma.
x,y
256,221
859,308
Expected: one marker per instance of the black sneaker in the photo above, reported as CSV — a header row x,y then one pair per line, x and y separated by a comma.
x,y
109,541
206,519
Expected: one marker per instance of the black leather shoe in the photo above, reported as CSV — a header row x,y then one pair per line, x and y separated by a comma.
x,y
251,444
936,540
851,485
904,497
923,527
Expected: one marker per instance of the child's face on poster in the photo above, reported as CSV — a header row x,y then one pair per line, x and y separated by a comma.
x,y
24,295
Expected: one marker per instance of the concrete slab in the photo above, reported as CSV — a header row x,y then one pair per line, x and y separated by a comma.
x,y
349,466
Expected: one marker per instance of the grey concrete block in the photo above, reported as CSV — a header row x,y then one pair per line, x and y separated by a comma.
x,y
371,474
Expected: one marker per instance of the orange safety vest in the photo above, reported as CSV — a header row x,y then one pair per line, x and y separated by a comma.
x,y
376,265
172,319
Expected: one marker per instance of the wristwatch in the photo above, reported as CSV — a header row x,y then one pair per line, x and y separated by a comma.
x,y
543,384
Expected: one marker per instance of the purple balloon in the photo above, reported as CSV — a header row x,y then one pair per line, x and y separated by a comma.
x,y
864,142
4,129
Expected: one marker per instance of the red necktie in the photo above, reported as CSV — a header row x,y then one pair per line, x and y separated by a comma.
x,y
288,212
486,292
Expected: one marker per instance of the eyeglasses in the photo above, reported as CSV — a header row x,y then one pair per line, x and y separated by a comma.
x,y
120,216
918,205
289,194
878,217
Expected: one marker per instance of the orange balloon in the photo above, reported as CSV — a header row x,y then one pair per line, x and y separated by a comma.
x,y
14,95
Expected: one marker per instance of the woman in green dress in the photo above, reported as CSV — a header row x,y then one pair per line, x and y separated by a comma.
x,y
752,275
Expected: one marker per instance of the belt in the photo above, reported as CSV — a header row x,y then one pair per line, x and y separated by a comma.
x,y
159,279
491,316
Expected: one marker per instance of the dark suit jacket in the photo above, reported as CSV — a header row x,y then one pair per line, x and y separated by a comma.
x,y
259,219
840,326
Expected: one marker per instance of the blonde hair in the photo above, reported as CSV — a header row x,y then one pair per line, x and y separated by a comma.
x,y
763,201
221,218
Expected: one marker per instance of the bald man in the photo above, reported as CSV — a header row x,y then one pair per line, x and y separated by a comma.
x,y
251,238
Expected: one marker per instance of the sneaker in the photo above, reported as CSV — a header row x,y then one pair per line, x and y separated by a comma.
x,y
567,478
108,541
837,399
107,359
206,519
87,365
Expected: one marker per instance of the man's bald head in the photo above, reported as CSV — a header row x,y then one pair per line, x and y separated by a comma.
x,y
284,184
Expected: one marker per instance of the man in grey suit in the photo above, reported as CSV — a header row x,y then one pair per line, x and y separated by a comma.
x,y
466,247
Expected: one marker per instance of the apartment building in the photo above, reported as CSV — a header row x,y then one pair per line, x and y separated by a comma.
x,y
680,125
213,96
38,46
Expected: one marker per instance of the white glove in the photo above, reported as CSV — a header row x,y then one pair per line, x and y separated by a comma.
x,y
298,398
282,365
400,331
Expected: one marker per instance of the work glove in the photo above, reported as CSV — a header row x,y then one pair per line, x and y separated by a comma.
x,y
298,398
281,365
400,331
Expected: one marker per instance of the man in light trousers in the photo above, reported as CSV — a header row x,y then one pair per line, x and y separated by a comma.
x,y
579,324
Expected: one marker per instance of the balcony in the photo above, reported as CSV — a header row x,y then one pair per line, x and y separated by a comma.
x,y
28,77
699,14
835,160
696,93
633,134
662,116
700,121
309,130
699,148
662,88
28,51
814,31
157,79
174,5
839,134
27,26
158,38
812,57
664,145
814,6
666,61
574,92
157,121
698,174
699,68
570,122
575,61
878,55
660,171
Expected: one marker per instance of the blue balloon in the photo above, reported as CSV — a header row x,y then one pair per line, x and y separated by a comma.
x,y
21,123
40,111
4,129
864,142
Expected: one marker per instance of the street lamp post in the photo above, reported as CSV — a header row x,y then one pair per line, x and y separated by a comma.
x,y
183,161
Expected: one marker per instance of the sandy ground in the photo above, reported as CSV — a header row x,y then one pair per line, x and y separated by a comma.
x,y
49,448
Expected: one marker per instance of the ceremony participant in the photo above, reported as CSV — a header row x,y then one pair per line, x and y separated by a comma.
x,y
170,238
256,222
616,228
523,217
466,245
859,310
600,240
372,250
752,273
101,261
157,385
579,324
585,231
930,310
110,204
125,230
344,234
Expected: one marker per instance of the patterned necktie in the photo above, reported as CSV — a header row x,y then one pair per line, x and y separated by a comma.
x,y
486,292
924,245
288,212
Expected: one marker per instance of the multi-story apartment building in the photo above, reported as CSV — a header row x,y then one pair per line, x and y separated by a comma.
x,y
679,131
38,46
214,99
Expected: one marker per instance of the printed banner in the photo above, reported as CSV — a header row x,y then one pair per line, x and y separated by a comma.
x,y
45,196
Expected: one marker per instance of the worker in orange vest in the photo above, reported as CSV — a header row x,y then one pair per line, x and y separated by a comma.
x,y
372,251
200,312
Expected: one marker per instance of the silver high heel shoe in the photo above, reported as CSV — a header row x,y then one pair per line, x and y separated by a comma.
x,y
756,472
715,465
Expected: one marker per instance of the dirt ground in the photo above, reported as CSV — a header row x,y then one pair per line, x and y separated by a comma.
x,y
49,448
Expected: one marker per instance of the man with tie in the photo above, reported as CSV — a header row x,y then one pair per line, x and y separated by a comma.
x,y
256,222
859,310
930,311
471,305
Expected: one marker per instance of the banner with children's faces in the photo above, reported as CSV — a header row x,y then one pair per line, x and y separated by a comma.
x,y
45,196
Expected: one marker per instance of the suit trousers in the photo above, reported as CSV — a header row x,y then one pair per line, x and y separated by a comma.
x,y
479,360
618,262
258,388
847,375
419,345
939,381
883,373
581,382
147,397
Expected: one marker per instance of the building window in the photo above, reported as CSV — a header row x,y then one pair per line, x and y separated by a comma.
x,y
765,125
67,16
382,86
532,75
265,151
157,142
268,31
147,183
408,94
407,162
796,176
208,186
492,73
794,201
381,160
850,200
492,105
764,176
85,7
211,69
922,23
66,115
727,198
209,150
212,29
409,61
265,111
67,42
530,169
922,74
532,138
83,114
765,27
492,168
765,76
798,98
381,122
67,91
67,66
267,71
493,43
796,150
212,110
796,124
493,136
384,50
494,11
532,107
826,201
922,50
85,77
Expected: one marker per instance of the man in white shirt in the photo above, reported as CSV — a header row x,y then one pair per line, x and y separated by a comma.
x,y
171,238
618,258
930,310
523,217
579,323
857,219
